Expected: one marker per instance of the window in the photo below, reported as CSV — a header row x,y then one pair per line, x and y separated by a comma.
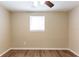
x,y
37,23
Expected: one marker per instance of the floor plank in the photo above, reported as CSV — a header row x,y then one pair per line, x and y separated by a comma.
x,y
39,53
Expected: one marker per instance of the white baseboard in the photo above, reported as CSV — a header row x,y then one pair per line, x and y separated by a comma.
x,y
5,52
39,48
74,52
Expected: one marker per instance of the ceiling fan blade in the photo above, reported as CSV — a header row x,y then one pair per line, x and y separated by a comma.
x,y
49,4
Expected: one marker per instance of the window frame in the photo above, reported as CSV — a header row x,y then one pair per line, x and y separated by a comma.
x,y
40,30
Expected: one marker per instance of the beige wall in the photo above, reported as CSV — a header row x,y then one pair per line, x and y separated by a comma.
x,y
4,30
55,35
74,30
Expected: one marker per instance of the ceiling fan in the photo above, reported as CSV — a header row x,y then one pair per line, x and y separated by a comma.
x,y
49,4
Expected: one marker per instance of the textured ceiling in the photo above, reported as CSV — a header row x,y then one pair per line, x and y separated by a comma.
x,y
29,6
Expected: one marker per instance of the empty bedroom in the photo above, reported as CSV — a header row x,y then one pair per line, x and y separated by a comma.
x,y
39,28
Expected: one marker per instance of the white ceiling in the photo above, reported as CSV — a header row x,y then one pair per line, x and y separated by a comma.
x,y
28,6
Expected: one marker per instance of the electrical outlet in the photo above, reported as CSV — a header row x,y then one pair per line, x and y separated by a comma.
x,y
24,43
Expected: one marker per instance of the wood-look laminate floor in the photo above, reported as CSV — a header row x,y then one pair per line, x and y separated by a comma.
x,y
39,53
